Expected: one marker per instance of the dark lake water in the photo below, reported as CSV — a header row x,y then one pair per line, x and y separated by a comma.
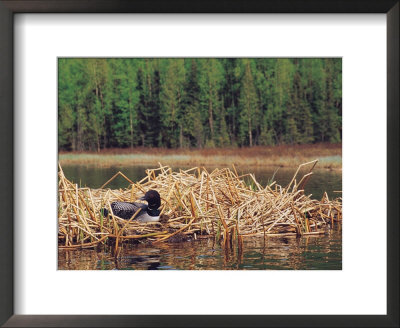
x,y
274,253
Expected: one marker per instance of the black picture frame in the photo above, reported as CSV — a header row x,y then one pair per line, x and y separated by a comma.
x,y
7,11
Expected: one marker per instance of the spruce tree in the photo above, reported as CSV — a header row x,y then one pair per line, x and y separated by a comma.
x,y
248,106
191,124
171,102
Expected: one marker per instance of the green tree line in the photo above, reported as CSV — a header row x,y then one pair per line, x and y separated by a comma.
x,y
197,102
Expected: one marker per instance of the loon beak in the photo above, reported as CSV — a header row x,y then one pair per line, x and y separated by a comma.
x,y
142,198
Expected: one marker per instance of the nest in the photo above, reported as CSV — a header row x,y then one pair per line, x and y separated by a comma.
x,y
195,204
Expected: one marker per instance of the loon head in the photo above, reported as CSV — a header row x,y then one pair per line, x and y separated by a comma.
x,y
153,199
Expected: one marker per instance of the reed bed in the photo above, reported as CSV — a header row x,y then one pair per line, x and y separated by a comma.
x,y
195,204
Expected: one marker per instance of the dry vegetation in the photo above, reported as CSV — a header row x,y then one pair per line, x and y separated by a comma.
x,y
196,204
284,156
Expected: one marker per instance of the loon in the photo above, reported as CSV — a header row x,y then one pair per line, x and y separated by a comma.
x,y
148,213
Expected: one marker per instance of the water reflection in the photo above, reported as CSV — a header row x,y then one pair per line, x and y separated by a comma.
x,y
315,253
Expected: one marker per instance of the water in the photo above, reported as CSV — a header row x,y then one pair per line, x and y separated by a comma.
x,y
306,253
94,177
273,253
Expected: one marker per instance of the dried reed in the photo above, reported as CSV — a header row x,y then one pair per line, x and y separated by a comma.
x,y
195,203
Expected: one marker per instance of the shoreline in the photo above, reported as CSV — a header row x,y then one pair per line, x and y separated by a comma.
x,y
329,156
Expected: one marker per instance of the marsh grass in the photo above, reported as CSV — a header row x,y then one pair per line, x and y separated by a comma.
x,y
330,156
196,203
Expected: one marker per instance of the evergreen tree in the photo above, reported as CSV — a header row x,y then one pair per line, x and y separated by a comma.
x,y
153,119
197,102
171,103
248,106
191,128
300,129
318,103
283,83
66,104
122,103
333,122
142,105
231,93
213,73
223,140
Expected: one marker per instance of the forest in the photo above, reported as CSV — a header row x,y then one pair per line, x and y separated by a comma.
x,y
197,102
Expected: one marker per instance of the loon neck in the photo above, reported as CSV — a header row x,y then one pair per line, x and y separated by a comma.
x,y
153,211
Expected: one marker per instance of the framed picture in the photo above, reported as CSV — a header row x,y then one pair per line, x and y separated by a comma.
x,y
46,44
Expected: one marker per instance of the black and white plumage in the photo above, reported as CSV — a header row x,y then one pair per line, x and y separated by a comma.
x,y
148,213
